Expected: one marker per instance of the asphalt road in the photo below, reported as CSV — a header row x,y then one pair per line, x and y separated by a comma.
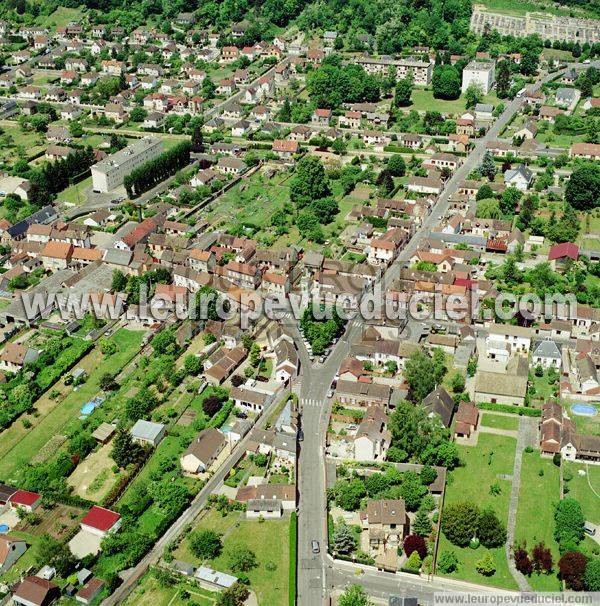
x,y
315,578
188,516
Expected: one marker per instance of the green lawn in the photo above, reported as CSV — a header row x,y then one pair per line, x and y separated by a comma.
x,y
489,419
15,455
268,540
149,592
61,17
519,7
483,464
579,488
75,194
423,100
25,561
585,425
535,515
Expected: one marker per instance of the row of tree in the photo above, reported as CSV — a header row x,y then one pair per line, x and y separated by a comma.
x,y
154,171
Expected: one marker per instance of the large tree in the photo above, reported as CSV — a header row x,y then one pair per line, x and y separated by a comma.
x,y
344,540
569,522
205,544
403,92
445,82
459,522
583,189
490,530
572,567
354,596
309,182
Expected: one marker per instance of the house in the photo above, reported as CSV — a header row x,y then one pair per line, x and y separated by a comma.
x,y
561,255
439,403
203,451
508,338
88,593
147,432
285,494
284,148
363,394
100,521
56,255
547,354
321,117
15,356
387,523
589,151
372,438
35,591
11,549
466,420
213,580
567,97
484,112
527,131
550,113
506,386
231,166
249,400
520,177
25,500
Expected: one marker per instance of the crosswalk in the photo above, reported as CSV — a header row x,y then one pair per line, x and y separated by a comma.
x,y
311,402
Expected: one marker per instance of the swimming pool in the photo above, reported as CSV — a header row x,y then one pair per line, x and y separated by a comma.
x,y
88,408
584,410
4,528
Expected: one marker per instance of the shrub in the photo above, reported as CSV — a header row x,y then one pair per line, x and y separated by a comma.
x,y
447,562
414,542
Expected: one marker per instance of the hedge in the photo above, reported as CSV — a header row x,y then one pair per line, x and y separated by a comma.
x,y
293,557
221,416
522,411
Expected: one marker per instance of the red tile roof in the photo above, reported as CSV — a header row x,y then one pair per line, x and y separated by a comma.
x,y
24,497
566,249
100,518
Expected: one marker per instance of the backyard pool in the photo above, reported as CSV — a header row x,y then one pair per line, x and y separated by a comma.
x,y
4,528
584,410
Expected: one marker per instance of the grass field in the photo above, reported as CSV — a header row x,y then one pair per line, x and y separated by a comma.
x,y
61,17
14,143
585,425
518,7
580,489
483,464
149,592
75,194
535,514
18,445
489,419
423,100
268,540
93,477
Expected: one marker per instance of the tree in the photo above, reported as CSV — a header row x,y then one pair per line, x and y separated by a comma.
x,y
490,530
236,595
164,342
119,281
354,596
309,182
414,561
403,92
459,522
415,542
502,78
488,166
396,165
385,182
583,188
445,82
422,524
542,558
486,565
489,209
523,562
572,566
419,373
473,95
325,209
458,383
125,451
205,544
509,200
569,522
240,558
348,494
107,382
428,475
485,191
412,490
447,562
343,540
192,365
529,62
591,578
49,551
197,139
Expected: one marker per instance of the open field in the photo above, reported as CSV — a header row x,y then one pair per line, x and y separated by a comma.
x,y
423,100
75,194
585,488
539,490
149,592
19,445
483,465
61,17
93,477
268,540
489,419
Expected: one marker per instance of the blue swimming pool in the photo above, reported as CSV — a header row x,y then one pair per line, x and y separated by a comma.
x,y
584,410
88,408
4,528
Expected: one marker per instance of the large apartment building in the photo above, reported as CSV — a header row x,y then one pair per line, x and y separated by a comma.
x,y
480,73
110,172
421,71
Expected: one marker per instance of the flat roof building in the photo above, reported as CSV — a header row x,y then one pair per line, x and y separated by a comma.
x,y
112,170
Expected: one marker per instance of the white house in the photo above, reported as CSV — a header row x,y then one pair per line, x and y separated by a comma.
x,y
479,73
